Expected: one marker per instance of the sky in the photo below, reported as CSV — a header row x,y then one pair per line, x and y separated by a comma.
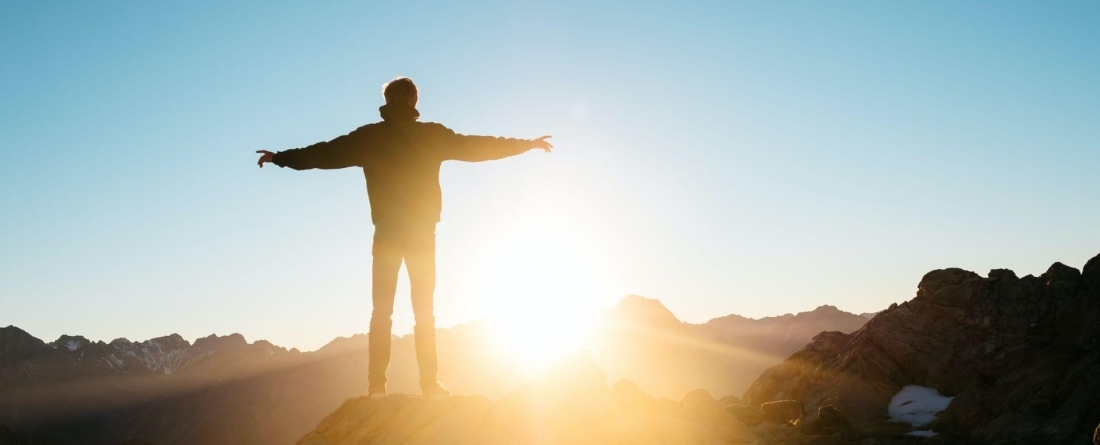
x,y
756,158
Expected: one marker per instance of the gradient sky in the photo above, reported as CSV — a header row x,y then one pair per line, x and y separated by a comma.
x,y
753,158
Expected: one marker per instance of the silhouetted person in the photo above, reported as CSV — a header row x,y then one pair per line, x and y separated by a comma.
x,y
400,158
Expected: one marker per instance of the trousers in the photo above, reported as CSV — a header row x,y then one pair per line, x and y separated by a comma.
x,y
415,245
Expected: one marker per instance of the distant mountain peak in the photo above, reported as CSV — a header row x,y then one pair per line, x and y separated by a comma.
x,y
639,310
226,342
12,328
70,342
13,332
634,302
17,345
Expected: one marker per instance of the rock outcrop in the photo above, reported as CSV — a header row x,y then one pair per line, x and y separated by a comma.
x,y
570,405
1019,356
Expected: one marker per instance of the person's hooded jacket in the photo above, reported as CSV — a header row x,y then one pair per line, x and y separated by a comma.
x,y
400,158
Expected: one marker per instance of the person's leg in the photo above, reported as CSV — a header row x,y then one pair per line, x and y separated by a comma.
x,y
420,261
387,262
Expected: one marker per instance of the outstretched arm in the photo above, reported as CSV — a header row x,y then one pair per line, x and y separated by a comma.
x,y
487,148
344,151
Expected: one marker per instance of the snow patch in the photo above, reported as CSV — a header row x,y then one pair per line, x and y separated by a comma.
x,y
923,433
917,405
115,362
164,357
72,345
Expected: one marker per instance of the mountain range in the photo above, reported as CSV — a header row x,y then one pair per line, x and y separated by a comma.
x,y
225,390
996,360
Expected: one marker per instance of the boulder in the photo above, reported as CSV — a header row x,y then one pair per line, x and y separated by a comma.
x,y
627,397
700,405
730,400
782,411
774,432
829,421
746,414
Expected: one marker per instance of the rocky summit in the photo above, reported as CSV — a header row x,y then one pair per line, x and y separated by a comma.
x,y
1013,360
571,404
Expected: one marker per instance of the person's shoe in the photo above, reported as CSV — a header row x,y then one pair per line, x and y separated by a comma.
x,y
376,393
435,392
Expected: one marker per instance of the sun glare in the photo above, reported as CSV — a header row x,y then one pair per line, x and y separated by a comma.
x,y
537,343
546,290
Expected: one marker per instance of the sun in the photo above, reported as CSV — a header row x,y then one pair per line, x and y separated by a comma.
x,y
547,287
535,342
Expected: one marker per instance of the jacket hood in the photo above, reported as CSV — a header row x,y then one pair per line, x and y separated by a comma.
x,y
397,112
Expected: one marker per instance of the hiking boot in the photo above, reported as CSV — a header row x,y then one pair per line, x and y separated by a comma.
x,y
435,392
376,392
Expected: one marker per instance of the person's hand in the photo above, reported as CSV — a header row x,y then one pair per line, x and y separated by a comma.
x,y
267,156
542,143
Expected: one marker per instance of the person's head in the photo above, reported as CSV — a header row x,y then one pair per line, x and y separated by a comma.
x,y
400,91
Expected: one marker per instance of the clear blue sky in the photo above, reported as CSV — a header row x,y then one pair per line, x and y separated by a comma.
x,y
753,158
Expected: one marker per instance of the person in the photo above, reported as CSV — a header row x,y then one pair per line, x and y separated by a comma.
x,y
401,157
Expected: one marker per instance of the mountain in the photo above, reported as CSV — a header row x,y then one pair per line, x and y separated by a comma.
x,y
166,390
642,341
225,390
995,359
777,336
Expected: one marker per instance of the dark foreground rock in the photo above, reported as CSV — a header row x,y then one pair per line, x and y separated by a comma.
x,y
1019,356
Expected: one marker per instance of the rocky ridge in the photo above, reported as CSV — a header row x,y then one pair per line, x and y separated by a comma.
x,y
1019,356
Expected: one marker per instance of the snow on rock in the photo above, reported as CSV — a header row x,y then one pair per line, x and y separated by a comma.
x,y
923,433
70,342
165,354
917,405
